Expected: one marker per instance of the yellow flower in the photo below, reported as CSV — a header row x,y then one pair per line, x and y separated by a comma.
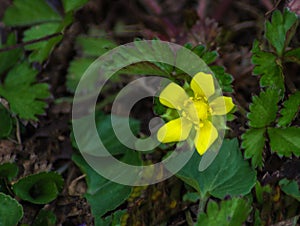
x,y
195,112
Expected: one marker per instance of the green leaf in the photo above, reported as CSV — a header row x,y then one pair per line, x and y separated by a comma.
x,y
253,143
103,195
107,134
224,79
191,197
145,68
5,122
75,72
45,218
94,47
266,65
114,219
293,56
39,188
29,12
277,31
231,213
260,192
9,58
285,141
290,187
263,109
23,96
204,54
41,50
229,173
10,211
73,5
8,171
290,110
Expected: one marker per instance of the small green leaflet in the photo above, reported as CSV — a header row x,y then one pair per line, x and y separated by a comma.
x,y
253,143
209,57
290,110
22,94
94,46
29,12
263,108
73,5
89,48
293,56
9,58
114,219
230,213
41,50
204,54
266,65
285,141
290,187
224,79
282,28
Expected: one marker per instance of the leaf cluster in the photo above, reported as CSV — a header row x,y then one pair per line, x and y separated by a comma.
x,y
274,110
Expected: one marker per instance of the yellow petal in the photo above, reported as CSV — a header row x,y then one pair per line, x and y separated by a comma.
x,y
173,96
203,84
205,137
175,130
221,105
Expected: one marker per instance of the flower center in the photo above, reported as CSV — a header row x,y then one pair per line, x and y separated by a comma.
x,y
196,110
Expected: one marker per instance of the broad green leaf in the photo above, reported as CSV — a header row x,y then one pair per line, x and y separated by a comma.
x,y
277,31
285,141
73,5
24,97
5,122
10,211
266,65
290,187
94,47
39,188
8,171
75,72
29,12
9,58
224,79
45,218
229,173
293,56
290,110
107,134
263,108
103,195
253,143
231,212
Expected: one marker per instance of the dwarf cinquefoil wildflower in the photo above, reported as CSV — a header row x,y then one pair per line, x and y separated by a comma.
x,y
195,112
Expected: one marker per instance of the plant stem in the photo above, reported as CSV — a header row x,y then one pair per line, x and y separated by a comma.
x,y
202,204
4,49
